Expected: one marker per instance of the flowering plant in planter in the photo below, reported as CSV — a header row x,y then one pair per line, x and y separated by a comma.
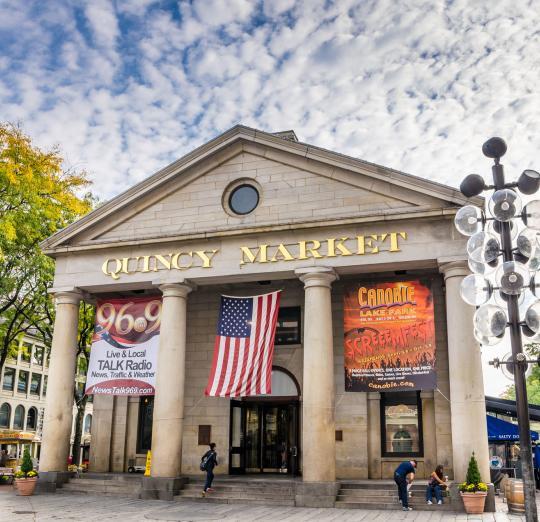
x,y
26,477
473,490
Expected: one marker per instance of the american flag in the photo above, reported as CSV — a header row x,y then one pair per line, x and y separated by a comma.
x,y
244,346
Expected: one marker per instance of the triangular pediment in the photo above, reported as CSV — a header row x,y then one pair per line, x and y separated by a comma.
x,y
298,184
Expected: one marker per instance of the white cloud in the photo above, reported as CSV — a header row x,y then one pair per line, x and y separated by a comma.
x,y
126,87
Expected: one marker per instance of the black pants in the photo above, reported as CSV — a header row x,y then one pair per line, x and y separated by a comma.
x,y
209,479
402,489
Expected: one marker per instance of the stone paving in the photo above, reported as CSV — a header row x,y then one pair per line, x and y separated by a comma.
x,y
67,506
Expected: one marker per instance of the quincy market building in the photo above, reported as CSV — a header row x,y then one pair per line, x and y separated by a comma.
x,y
248,213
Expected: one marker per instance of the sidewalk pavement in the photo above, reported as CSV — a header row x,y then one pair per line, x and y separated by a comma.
x,y
74,507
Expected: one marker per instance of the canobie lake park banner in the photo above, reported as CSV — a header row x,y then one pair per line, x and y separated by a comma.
x,y
389,337
125,344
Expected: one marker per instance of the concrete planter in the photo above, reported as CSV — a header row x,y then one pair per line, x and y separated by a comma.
x,y
474,502
26,486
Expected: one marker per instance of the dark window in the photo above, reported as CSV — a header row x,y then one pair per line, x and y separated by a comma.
x,y
288,326
401,424
35,383
339,435
47,355
88,423
205,431
26,352
22,385
45,379
5,415
37,356
9,379
144,435
31,419
18,420
244,199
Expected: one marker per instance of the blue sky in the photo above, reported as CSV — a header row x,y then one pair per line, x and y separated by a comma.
x,y
125,87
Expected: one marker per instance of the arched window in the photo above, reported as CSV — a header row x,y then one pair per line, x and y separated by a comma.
x,y
88,424
18,420
31,419
283,383
5,415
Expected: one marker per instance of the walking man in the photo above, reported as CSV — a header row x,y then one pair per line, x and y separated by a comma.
x,y
400,478
208,462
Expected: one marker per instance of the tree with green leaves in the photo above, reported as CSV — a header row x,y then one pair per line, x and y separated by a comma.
x,y
37,198
533,380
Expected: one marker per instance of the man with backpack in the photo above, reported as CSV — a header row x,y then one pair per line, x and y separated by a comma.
x,y
208,461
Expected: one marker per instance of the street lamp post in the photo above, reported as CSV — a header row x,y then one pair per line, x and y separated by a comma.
x,y
513,276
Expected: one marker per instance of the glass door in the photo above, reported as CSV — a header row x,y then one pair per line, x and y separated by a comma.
x,y
253,438
236,436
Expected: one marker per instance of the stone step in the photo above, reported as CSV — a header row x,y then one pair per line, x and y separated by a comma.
x,y
220,486
235,494
393,506
99,488
107,492
120,477
235,500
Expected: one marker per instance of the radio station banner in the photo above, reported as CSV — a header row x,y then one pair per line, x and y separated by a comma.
x,y
123,358
389,337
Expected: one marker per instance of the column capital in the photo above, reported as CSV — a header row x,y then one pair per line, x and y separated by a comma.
x,y
374,396
73,297
176,289
456,268
427,394
316,276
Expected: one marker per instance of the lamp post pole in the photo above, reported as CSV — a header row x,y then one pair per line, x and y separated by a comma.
x,y
519,367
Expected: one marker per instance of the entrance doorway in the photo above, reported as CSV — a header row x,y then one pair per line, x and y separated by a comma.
x,y
264,431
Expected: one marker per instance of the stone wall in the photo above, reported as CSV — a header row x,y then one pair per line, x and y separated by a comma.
x,y
351,411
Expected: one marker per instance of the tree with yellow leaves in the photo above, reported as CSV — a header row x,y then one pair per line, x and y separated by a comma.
x,y
37,198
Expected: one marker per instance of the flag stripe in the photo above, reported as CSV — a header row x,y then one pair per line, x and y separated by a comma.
x,y
244,347
258,347
257,302
266,375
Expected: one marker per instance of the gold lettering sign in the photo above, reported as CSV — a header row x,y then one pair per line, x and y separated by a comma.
x,y
302,250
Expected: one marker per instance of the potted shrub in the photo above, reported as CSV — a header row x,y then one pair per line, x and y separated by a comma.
x,y
473,491
26,477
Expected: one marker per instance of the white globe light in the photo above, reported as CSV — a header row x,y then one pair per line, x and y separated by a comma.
x,y
493,227
487,341
483,268
490,320
475,290
504,204
531,214
501,299
512,277
532,317
483,247
469,220
528,242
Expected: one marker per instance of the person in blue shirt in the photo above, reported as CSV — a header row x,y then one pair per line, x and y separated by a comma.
x,y
536,463
400,478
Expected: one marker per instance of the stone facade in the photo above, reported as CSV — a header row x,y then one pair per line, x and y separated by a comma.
x,y
323,222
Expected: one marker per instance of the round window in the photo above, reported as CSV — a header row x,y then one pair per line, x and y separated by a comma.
x,y
244,199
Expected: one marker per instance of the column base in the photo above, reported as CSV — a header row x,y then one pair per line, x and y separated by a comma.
x,y
50,481
161,488
316,494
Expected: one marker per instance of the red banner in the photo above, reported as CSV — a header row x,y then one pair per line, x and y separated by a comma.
x,y
389,340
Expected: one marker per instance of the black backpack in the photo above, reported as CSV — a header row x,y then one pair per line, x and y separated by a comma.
x,y
204,461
